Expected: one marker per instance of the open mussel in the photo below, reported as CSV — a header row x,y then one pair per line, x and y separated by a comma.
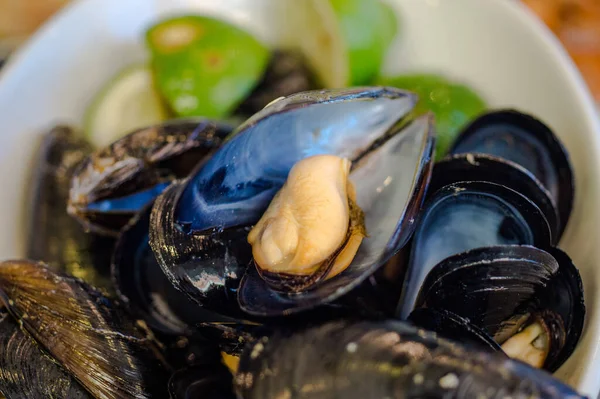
x,y
115,182
87,334
54,236
527,141
483,167
520,295
469,215
383,359
352,149
27,372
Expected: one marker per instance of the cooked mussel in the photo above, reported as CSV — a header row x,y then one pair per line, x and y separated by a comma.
x,y
86,333
27,372
465,216
520,295
483,167
115,182
375,157
54,236
384,359
148,295
529,142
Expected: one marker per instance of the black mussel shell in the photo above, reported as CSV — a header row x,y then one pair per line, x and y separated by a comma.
x,y
206,382
54,236
27,372
482,167
90,336
469,215
500,289
525,140
115,182
386,359
199,227
146,291
453,327
208,268
149,295
286,74
563,299
489,286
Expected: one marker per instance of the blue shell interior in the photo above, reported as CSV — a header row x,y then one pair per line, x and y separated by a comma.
x,y
460,218
129,203
388,182
236,185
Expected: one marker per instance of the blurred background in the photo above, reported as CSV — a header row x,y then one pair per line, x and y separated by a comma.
x,y
575,22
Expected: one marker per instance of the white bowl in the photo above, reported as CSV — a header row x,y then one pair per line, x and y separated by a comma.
x,y
494,45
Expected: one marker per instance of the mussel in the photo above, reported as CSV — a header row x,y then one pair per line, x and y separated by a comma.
x,y
54,236
487,233
529,142
148,295
26,371
469,215
383,359
517,295
114,183
378,164
87,334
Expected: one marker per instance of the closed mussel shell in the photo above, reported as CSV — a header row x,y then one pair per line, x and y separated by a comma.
x,y
384,359
90,336
27,372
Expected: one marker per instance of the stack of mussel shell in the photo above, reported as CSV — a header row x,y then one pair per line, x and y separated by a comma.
x,y
314,251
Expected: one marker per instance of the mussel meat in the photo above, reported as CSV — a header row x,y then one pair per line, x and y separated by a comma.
x,y
114,183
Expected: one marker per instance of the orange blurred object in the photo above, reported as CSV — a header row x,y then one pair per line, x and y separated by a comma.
x,y
20,18
577,25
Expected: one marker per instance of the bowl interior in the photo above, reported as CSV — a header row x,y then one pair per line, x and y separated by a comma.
x,y
494,45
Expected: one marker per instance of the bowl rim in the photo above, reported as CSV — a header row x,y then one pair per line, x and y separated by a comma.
x,y
588,381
